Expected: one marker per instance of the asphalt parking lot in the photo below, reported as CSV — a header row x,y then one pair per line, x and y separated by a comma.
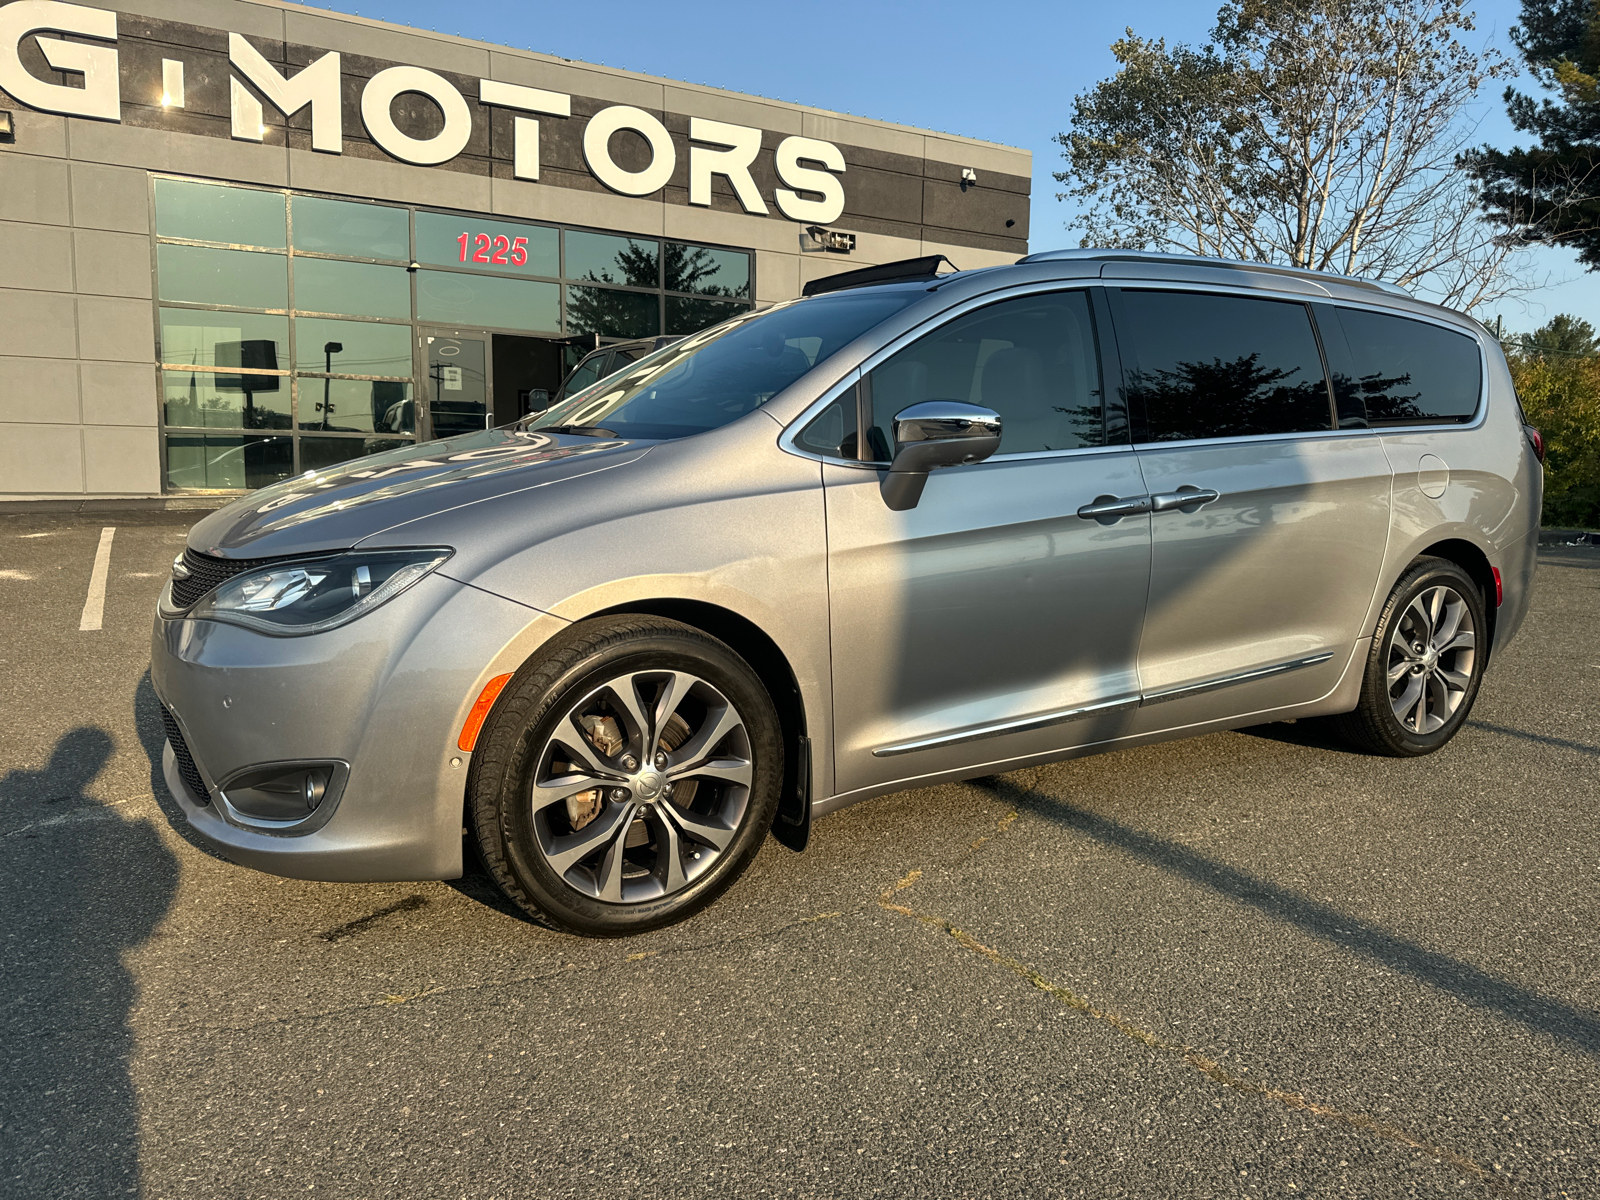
x,y
1252,964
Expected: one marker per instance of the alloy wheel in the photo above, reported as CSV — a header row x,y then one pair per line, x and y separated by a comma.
x,y
1431,657
641,786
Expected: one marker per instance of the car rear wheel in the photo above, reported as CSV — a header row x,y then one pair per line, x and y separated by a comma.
x,y
1425,665
626,777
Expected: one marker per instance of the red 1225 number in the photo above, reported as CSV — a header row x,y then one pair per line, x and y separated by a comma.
x,y
495,250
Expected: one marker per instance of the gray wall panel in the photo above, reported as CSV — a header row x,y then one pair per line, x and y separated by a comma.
x,y
39,389
35,256
112,264
118,393
110,198
35,189
39,324
114,329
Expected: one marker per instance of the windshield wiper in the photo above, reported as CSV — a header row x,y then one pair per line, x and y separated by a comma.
x,y
580,430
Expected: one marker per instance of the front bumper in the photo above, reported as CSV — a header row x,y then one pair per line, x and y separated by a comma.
x,y
386,694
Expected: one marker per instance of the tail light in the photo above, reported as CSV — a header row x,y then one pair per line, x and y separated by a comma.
x,y
1536,439
1499,588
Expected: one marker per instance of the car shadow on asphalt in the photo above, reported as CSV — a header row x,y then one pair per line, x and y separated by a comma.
x,y
83,886
1467,983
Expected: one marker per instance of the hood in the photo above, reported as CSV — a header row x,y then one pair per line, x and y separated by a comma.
x,y
337,508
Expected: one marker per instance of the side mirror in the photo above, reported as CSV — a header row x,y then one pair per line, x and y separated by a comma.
x,y
936,433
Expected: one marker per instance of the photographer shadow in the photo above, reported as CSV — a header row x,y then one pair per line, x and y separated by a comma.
x,y
83,885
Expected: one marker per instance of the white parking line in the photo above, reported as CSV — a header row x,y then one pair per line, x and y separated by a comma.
x,y
95,606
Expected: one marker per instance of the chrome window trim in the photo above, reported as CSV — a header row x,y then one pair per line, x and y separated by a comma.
x,y
904,339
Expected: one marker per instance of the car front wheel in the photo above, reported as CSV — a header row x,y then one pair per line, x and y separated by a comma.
x,y
626,778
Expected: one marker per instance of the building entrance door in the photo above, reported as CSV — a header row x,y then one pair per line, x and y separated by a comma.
x,y
459,379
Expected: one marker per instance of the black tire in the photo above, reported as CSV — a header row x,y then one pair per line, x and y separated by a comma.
x,y
524,740
1375,726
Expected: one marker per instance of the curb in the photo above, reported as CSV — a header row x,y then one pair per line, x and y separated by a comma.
x,y
129,504
1568,537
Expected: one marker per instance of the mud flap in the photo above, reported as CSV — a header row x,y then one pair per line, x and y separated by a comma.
x,y
792,826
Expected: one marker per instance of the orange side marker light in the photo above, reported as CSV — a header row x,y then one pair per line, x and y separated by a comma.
x,y
480,712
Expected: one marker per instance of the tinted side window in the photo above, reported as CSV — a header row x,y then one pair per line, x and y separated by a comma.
x,y
588,371
833,431
1409,371
1204,366
1033,360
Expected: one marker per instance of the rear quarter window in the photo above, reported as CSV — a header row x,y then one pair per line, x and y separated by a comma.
x,y
1410,372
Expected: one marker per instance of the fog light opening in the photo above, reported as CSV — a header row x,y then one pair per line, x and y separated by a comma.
x,y
283,792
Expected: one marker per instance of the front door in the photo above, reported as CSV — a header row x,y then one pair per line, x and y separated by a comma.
x,y
1258,589
459,381
991,621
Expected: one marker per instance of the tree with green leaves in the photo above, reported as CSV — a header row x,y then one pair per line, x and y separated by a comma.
x,y
1549,193
1557,373
1311,133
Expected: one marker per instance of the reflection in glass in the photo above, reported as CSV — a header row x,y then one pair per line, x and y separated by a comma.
x,y
240,278
356,405
1033,360
612,313
210,212
191,336
204,399
685,315
1205,366
458,380
1408,370
706,272
359,230
452,298
489,245
320,453
363,348
359,289
600,258
210,461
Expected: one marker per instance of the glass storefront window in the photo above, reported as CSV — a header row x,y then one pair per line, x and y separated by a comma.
x,y
355,405
612,313
214,212
320,453
195,336
362,347
452,298
237,278
357,230
601,258
355,289
234,463
294,313
690,315
706,272
213,400
445,239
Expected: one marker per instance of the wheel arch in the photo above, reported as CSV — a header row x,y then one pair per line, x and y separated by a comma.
x,y
753,644
1471,559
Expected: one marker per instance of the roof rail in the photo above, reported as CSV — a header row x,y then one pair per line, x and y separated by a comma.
x,y
1204,259
894,272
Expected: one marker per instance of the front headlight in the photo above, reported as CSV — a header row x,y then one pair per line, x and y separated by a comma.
x,y
309,597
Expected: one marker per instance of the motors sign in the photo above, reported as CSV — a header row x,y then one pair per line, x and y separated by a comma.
x,y
809,168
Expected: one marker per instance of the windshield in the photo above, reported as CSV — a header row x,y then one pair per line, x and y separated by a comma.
x,y
712,377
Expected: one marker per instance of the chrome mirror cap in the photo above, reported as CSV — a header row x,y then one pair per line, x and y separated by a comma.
x,y
936,433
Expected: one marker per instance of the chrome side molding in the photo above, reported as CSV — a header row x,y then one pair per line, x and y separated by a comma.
x,y
1016,725
1222,681
1118,704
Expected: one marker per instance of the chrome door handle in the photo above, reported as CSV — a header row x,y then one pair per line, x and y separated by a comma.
x,y
1109,508
1184,497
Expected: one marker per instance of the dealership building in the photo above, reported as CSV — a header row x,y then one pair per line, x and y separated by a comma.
x,y
244,240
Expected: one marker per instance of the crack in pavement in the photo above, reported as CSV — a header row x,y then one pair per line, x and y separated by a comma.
x,y
1187,1054
393,999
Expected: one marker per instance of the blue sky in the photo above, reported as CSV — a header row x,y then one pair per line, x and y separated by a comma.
x,y
1005,72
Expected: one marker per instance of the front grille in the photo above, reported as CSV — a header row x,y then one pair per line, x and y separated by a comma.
x,y
206,573
180,751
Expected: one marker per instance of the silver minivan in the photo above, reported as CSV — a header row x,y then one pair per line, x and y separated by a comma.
x,y
910,528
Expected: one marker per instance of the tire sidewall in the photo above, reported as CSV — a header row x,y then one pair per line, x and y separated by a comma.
x,y
659,648
1427,574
